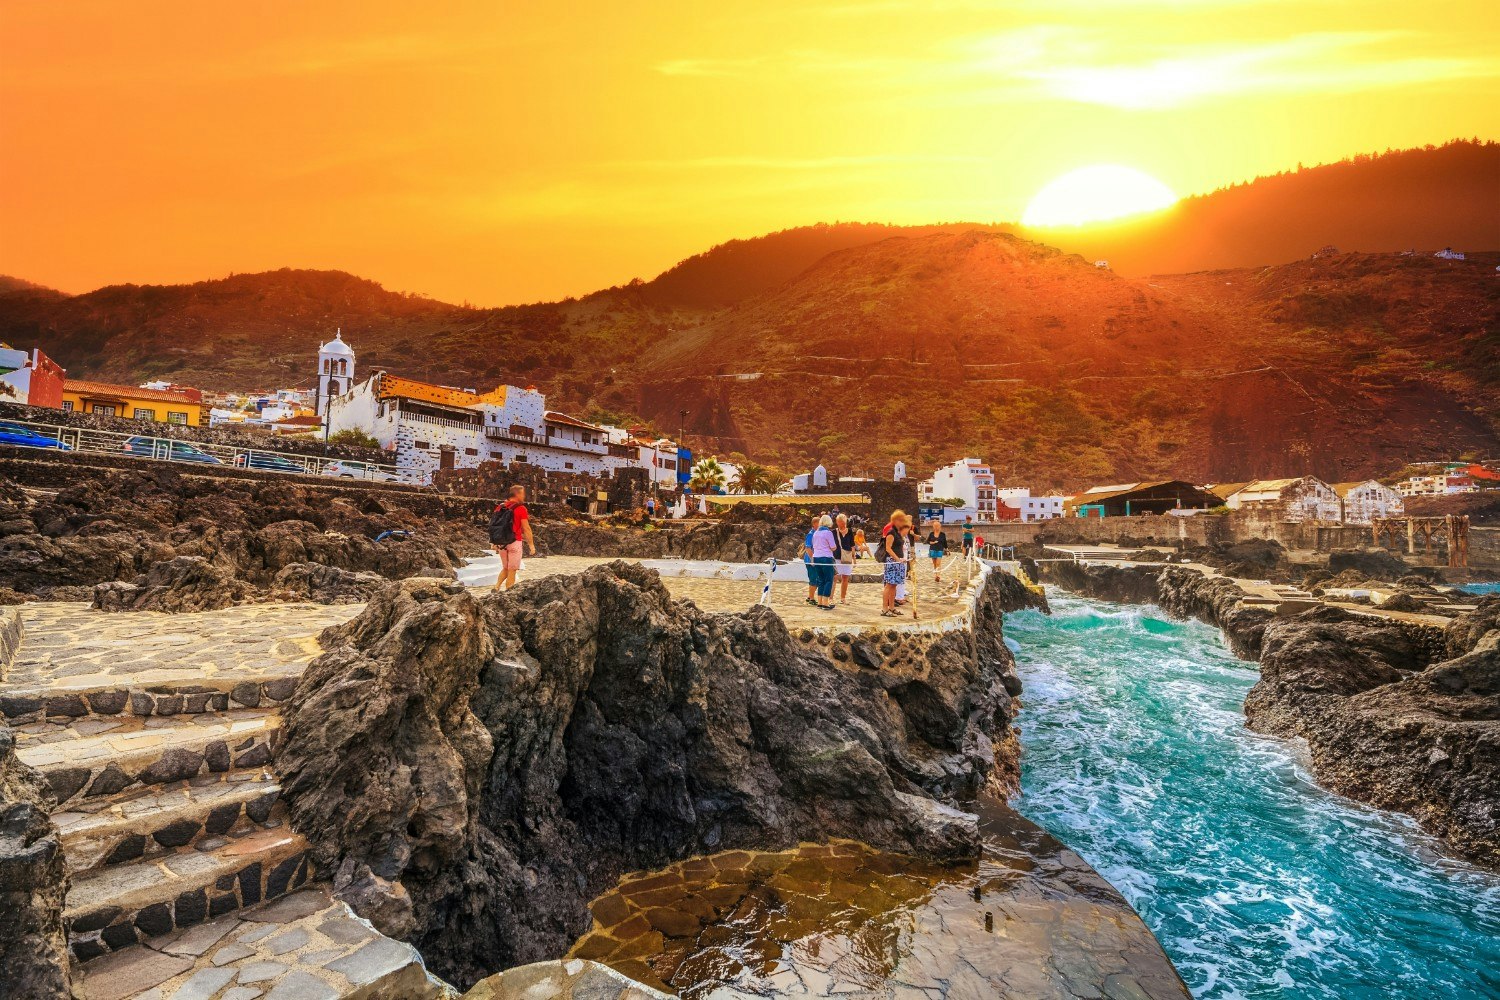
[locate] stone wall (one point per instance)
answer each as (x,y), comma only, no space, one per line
(626,490)
(265,440)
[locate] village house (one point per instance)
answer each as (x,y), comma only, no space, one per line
(1303,499)
(1029,508)
(179,406)
(970,481)
(33,379)
(1363,502)
(1436,486)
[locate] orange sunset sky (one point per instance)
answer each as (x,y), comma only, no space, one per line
(509,152)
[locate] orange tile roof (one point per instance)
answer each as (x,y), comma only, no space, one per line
(85,388)
(407,388)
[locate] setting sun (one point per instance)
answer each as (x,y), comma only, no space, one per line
(1097,193)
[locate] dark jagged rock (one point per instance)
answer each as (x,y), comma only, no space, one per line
(186,583)
(33,884)
(114,525)
(723,541)
(474,770)
(324,584)
(1468,631)
(1122,584)
(1384,727)
(1371,564)
(1187,593)
(1404,601)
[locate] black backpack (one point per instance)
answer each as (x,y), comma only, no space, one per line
(880,553)
(503,525)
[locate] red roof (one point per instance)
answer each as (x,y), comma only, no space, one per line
(84,388)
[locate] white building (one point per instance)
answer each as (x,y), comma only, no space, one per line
(968,480)
(1305,499)
(1031,508)
(431,427)
(1363,502)
(335,371)
(1435,486)
(1448,253)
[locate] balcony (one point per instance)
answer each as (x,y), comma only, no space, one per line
(428,418)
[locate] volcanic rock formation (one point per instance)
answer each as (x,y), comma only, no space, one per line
(475,769)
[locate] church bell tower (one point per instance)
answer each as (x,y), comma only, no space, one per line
(335,371)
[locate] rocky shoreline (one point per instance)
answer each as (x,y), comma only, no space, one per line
(1398,714)
(516,753)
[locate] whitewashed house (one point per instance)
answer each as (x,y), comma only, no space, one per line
(968,480)
(1448,253)
(1363,502)
(1304,499)
(1032,508)
(430,427)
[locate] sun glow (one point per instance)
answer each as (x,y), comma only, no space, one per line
(1097,193)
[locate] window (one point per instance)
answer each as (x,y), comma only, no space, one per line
(176,417)
(141,413)
(520,458)
(471,451)
(103,409)
(567,465)
(67,406)
(420,444)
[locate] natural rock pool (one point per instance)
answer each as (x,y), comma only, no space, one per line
(1258,883)
(1028,921)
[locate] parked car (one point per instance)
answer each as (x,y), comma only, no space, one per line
(266,463)
(24,437)
(176,451)
(345,469)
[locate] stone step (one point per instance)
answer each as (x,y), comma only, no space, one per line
(115,907)
(304,945)
(99,758)
(148,820)
(58,703)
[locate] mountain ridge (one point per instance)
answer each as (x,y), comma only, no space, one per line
(918,343)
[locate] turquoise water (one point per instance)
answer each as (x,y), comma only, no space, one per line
(1481,588)
(1257,883)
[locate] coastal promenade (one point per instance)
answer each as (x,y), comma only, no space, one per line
(156,731)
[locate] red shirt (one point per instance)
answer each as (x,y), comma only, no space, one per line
(518,519)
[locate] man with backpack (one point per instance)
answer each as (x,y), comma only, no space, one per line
(509,524)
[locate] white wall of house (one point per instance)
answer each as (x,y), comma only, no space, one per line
(1304,499)
(969,480)
(1369,500)
(1031,508)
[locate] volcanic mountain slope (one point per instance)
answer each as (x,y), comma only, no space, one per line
(918,348)
(1062,372)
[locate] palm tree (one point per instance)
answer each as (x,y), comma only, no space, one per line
(707,476)
(755,478)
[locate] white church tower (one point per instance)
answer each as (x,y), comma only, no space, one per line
(335,371)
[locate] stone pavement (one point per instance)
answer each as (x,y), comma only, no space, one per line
(76,656)
(304,946)
(936,603)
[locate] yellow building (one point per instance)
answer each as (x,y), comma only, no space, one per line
(183,406)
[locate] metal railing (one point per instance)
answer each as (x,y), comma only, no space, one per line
(200,453)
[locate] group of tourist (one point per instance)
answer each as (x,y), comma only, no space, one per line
(832,546)
(829,550)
